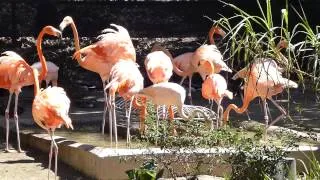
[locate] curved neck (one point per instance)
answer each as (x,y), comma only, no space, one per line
(75,36)
(214,30)
(240,110)
(36,82)
(44,69)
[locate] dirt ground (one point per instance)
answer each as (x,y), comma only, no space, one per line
(32,165)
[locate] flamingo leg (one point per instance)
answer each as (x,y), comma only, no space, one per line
(157,123)
(114,118)
(110,123)
(50,153)
(266,118)
(105,107)
(269,113)
(284,113)
(249,118)
(182,79)
(55,147)
(7,122)
(219,112)
(211,103)
(128,122)
(16,120)
(189,93)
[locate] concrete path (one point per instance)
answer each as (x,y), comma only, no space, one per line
(32,165)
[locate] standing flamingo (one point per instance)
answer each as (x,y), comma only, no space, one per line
(262,79)
(159,69)
(215,88)
(126,79)
(101,56)
(13,77)
(201,60)
(50,110)
(158,66)
(52,75)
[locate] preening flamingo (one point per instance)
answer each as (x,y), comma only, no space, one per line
(262,79)
(159,69)
(52,75)
(158,66)
(215,88)
(201,60)
(126,79)
(102,55)
(50,109)
(13,77)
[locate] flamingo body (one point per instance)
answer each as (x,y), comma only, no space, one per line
(53,72)
(50,108)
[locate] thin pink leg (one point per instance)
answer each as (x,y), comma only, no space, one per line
(128,122)
(189,93)
(50,152)
(16,120)
(7,122)
(284,113)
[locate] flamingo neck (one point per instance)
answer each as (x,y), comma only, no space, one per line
(235,108)
(44,69)
(75,36)
(36,82)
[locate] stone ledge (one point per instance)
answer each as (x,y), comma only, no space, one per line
(102,163)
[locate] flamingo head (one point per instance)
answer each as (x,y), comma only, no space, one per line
(52,31)
(215,30)
(205,68)
(65,22)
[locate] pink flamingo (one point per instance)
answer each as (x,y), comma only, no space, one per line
(50,110)
(127,80)
(169,94)
(158,65)
(102,55)
(52,75)
(215,88)
(201,61)
(264,80)
(13,77)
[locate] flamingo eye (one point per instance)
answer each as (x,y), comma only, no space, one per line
(199,63)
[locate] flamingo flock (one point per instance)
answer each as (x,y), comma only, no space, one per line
(113,57)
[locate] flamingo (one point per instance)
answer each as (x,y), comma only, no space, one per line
(50,110)
(101,56)
(201,60)
(244,73)
(215,88)
(263,79)
(126,79)
(169,94)
(52,75)
(159,69)
(158,65)
(13,77)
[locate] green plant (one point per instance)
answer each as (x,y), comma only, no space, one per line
(313,172)
(255,162)
(146,172)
